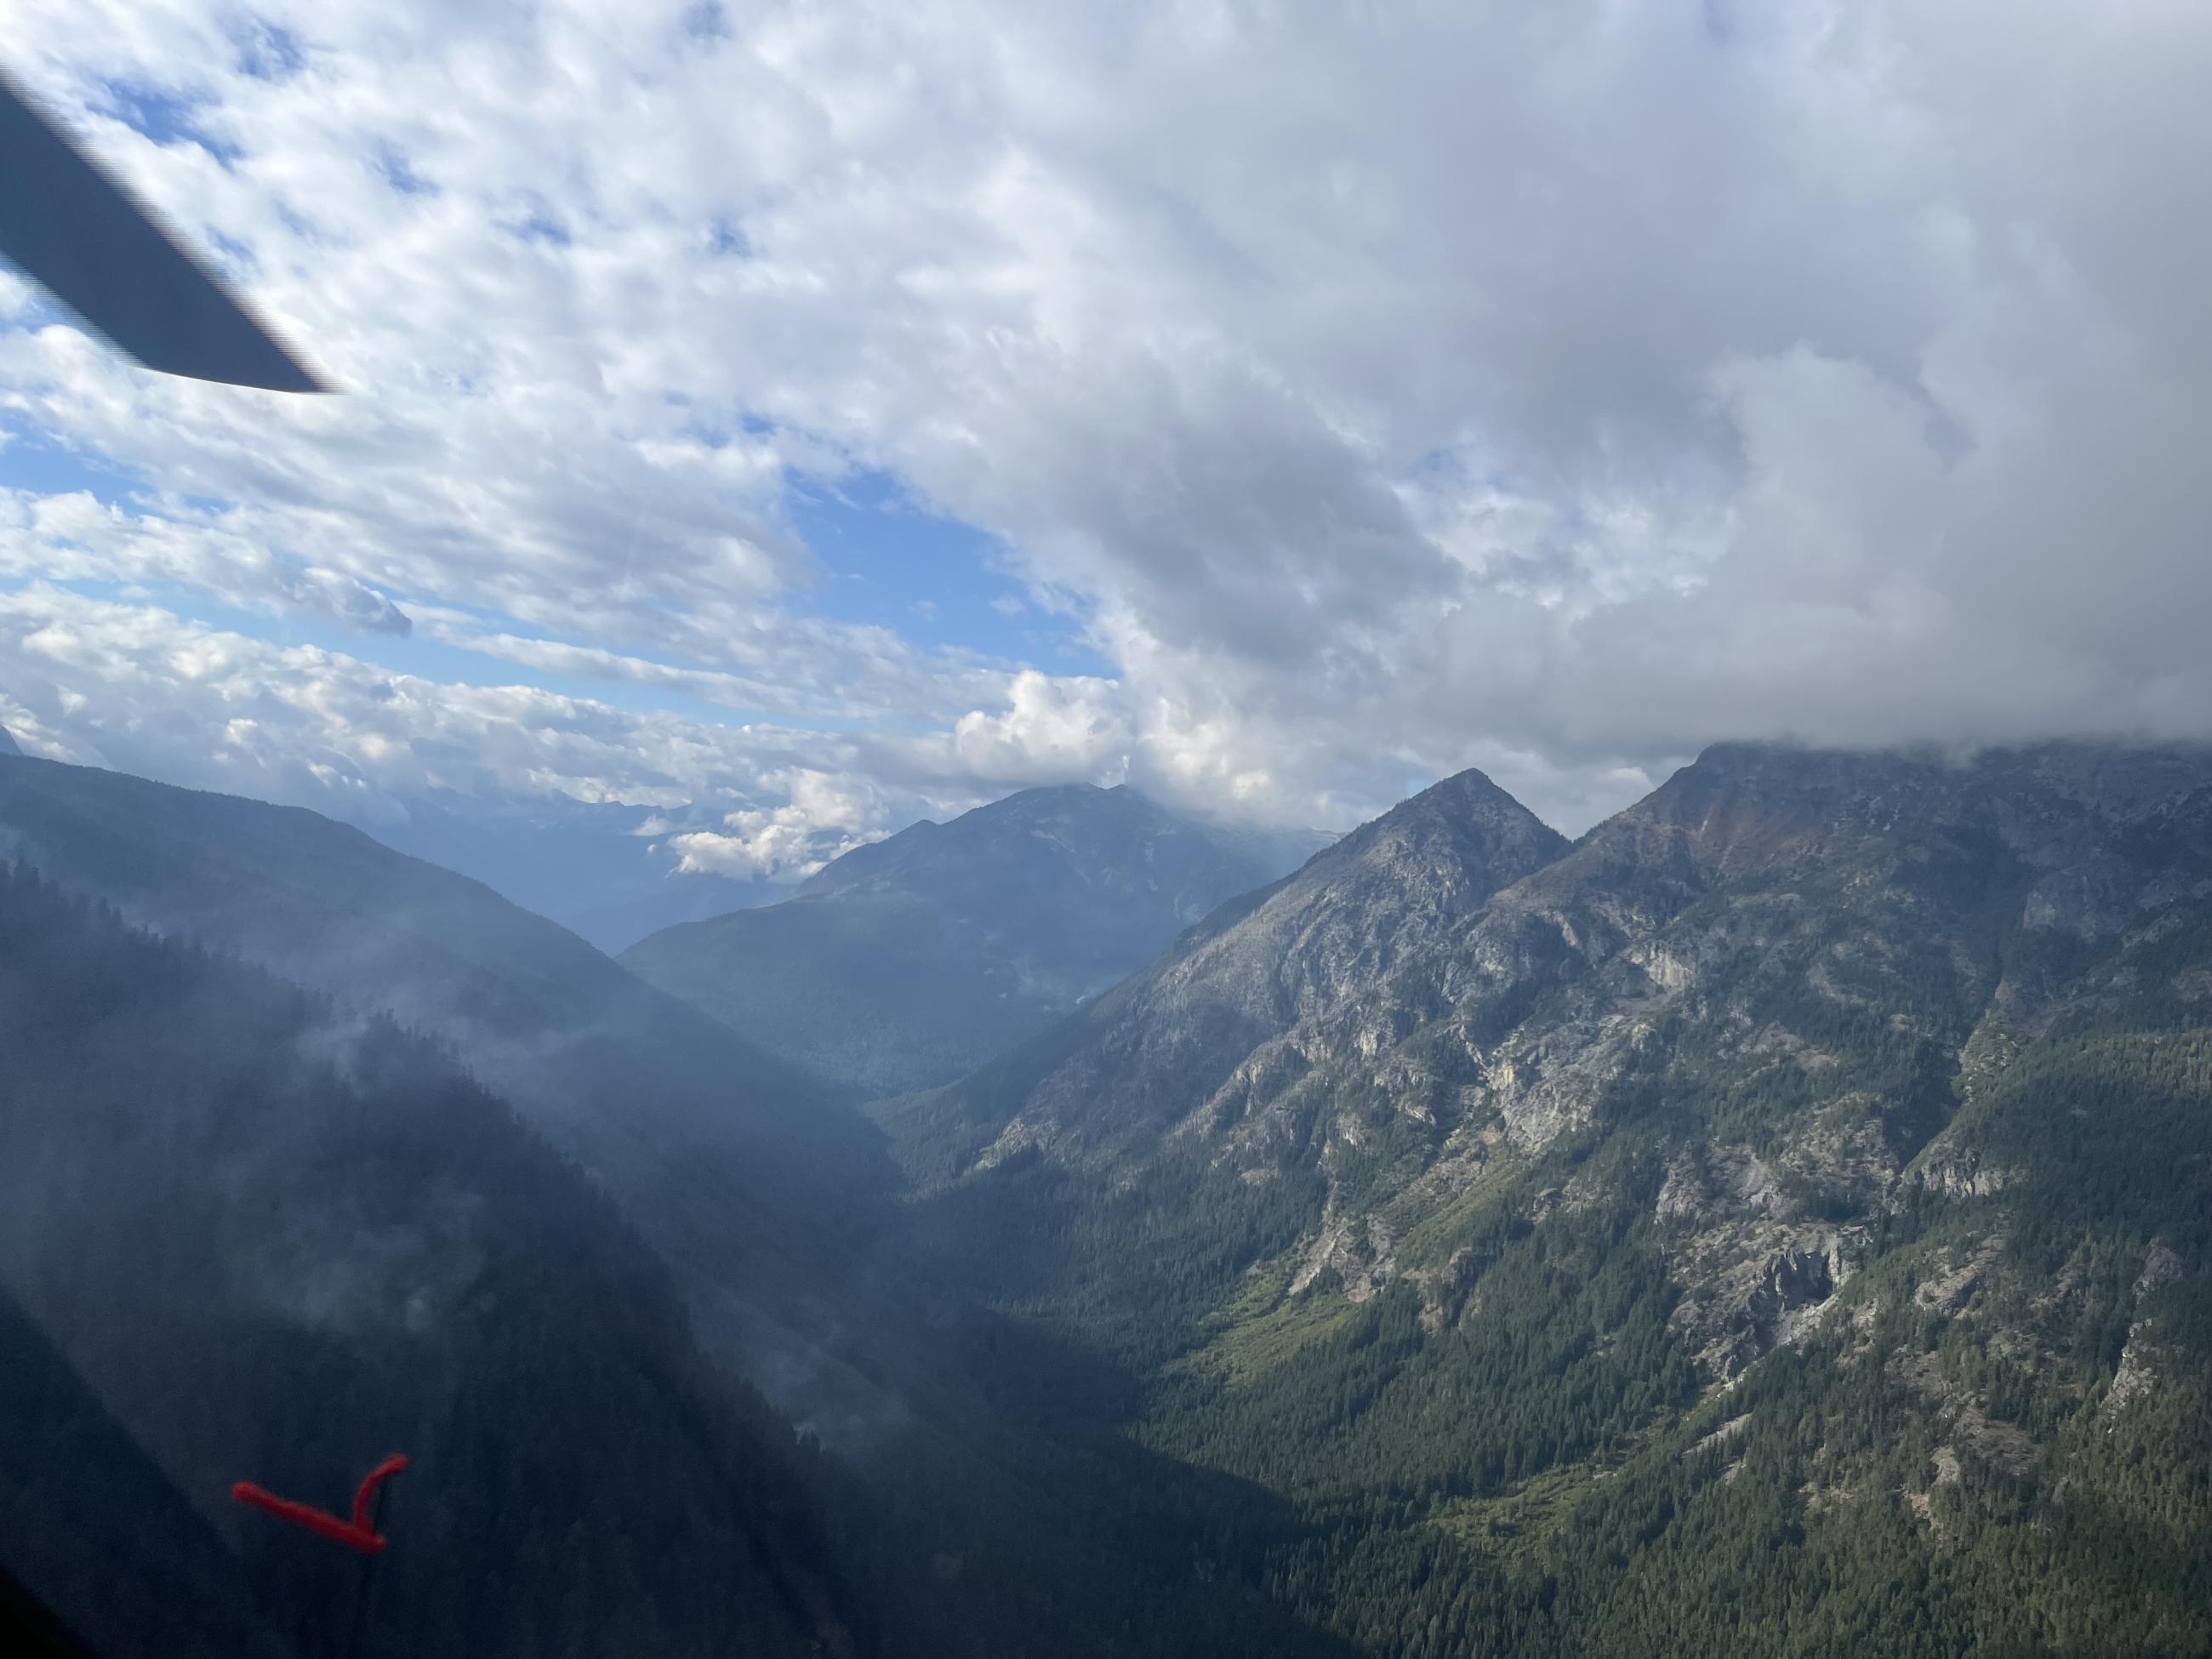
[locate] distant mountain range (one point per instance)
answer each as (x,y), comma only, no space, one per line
(909,961)
(608,871)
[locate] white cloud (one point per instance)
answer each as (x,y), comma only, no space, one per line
(1380,391)
(136,687)
(821,817)
(17,296)
(1051,730)
(132,686)
(75,537)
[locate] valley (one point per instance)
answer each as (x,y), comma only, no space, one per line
(1779,1217)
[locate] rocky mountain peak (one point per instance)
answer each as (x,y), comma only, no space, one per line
(1224,1002)
(1775,981)
(1464,822)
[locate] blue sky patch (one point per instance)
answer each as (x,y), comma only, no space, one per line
(165,115)
(934,580)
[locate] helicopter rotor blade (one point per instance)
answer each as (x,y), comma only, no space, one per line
(95,248)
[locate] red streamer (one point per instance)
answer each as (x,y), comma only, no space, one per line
(358,1534)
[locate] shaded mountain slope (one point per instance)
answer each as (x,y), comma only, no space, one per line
(280,1243)
(964,1521)
(90,1528)
(745,1173)
(909,961)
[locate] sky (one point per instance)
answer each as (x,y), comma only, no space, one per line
(803,417)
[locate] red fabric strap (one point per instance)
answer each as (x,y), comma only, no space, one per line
(358,1534)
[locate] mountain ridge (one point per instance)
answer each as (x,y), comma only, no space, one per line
(912,959)
(1269,957)
(1780,1097)
(752,1180)
(280,1243)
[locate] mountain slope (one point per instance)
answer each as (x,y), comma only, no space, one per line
(1776,1224)
(92,1529)
(751,1180)
(909,961)
(1213,1012)
(963,1521)
(279,1244)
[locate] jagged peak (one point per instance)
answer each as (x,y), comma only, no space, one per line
(1452,812)
(1462,793)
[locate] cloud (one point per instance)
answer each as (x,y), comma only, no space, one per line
(75,537)
(1051,729)
(130,685)
(138,687)
(1376,392)
(821,817)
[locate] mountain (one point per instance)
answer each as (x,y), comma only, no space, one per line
(909,961)
(278,1239)
(1777,1224)
(1137,1059)
(1780,1223)
(746,1174)
(278,1243)
(961,1519)
(112,1551)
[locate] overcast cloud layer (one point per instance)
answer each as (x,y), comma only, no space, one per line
(1370,390)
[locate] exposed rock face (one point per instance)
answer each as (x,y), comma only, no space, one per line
(906,962)
(2145,1355)
(1950,1292)
(2004,1446)
(2138,1373)
(1235,1018)
(1958,1172)
(1782,974)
